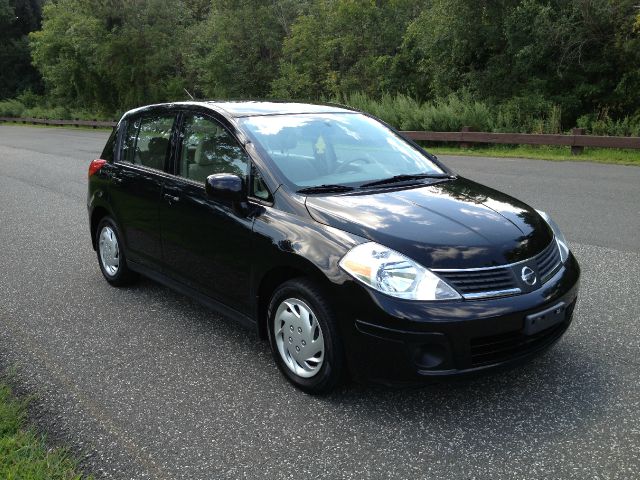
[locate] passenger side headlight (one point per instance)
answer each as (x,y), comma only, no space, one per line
(392,273)
(563,246)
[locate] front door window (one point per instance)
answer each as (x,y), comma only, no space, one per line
(208,148)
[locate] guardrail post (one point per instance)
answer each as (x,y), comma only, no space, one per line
(76,125)
(465,144)
(94,125)
(577,149)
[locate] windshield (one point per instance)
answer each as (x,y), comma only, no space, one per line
(335,149)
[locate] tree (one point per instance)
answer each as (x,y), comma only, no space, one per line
(17,19)
(112,54)
(342,46)
(580,55)
(238,48)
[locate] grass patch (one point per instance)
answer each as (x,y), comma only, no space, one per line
(543,152)
(24,454)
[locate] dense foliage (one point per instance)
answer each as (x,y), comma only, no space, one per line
(504,65)
(17,19)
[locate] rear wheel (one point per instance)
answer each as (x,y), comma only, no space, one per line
(111,257)
(304,338)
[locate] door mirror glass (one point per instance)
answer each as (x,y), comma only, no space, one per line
(225,186)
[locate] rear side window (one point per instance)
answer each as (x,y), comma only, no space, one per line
(108,152)
(208,148)
(147,140)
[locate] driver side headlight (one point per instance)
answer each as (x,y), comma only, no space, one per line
(394,274)
(563,246)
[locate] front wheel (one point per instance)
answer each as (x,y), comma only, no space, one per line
(303,335)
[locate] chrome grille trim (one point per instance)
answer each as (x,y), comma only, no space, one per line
(493,293)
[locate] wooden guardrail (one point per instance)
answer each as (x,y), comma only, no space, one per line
(577,140)
(50,121)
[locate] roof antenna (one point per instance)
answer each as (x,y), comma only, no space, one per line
(187,92)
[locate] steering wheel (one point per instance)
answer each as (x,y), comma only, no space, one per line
(347,165)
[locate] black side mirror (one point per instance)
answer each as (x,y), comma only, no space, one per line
(225,186)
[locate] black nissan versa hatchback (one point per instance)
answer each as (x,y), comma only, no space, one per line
(346,245)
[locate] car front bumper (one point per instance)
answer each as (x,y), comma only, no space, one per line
(394,341)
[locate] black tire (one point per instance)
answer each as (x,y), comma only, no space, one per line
(332,371)
(124,275)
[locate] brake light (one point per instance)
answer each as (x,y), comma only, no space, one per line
(96,165)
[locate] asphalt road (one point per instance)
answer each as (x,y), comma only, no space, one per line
(144,383)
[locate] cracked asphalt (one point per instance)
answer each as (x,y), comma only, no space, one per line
(143,383)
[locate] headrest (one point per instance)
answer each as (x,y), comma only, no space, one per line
(158,146)
(205,152)
(285,140)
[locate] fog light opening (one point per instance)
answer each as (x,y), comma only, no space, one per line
(429,356)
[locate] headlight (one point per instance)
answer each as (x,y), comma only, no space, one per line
(394,274)
(563,246)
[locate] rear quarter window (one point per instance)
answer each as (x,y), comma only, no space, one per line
(109,148)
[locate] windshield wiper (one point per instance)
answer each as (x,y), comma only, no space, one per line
(405,178)
(326,189)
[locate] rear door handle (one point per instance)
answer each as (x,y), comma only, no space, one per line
(171,198)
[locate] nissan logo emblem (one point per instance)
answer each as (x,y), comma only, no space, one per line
(529,276)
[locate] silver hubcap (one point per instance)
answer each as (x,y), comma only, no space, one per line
(109,250)
(299,337)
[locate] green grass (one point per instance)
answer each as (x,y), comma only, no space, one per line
(24,454)
(543,152)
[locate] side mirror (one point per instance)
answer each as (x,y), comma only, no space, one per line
(225,186)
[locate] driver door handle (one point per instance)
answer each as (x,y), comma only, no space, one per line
(171,198)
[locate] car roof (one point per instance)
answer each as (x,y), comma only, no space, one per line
(254,108)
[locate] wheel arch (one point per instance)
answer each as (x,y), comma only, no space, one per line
(97,215)
(275,277)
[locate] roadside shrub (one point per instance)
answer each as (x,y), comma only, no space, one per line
(406,113)
(30,99)
(524,114)
(603,124)
(31,105)
(454,112)
(11,108)
(93,115)
(527,114)
(48,112)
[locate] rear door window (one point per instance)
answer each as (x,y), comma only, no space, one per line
(208,148)
(147,140)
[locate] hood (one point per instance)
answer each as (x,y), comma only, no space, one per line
(453,224)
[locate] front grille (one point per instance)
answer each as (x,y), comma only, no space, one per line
(500,281)
(498,348)
(480,281)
